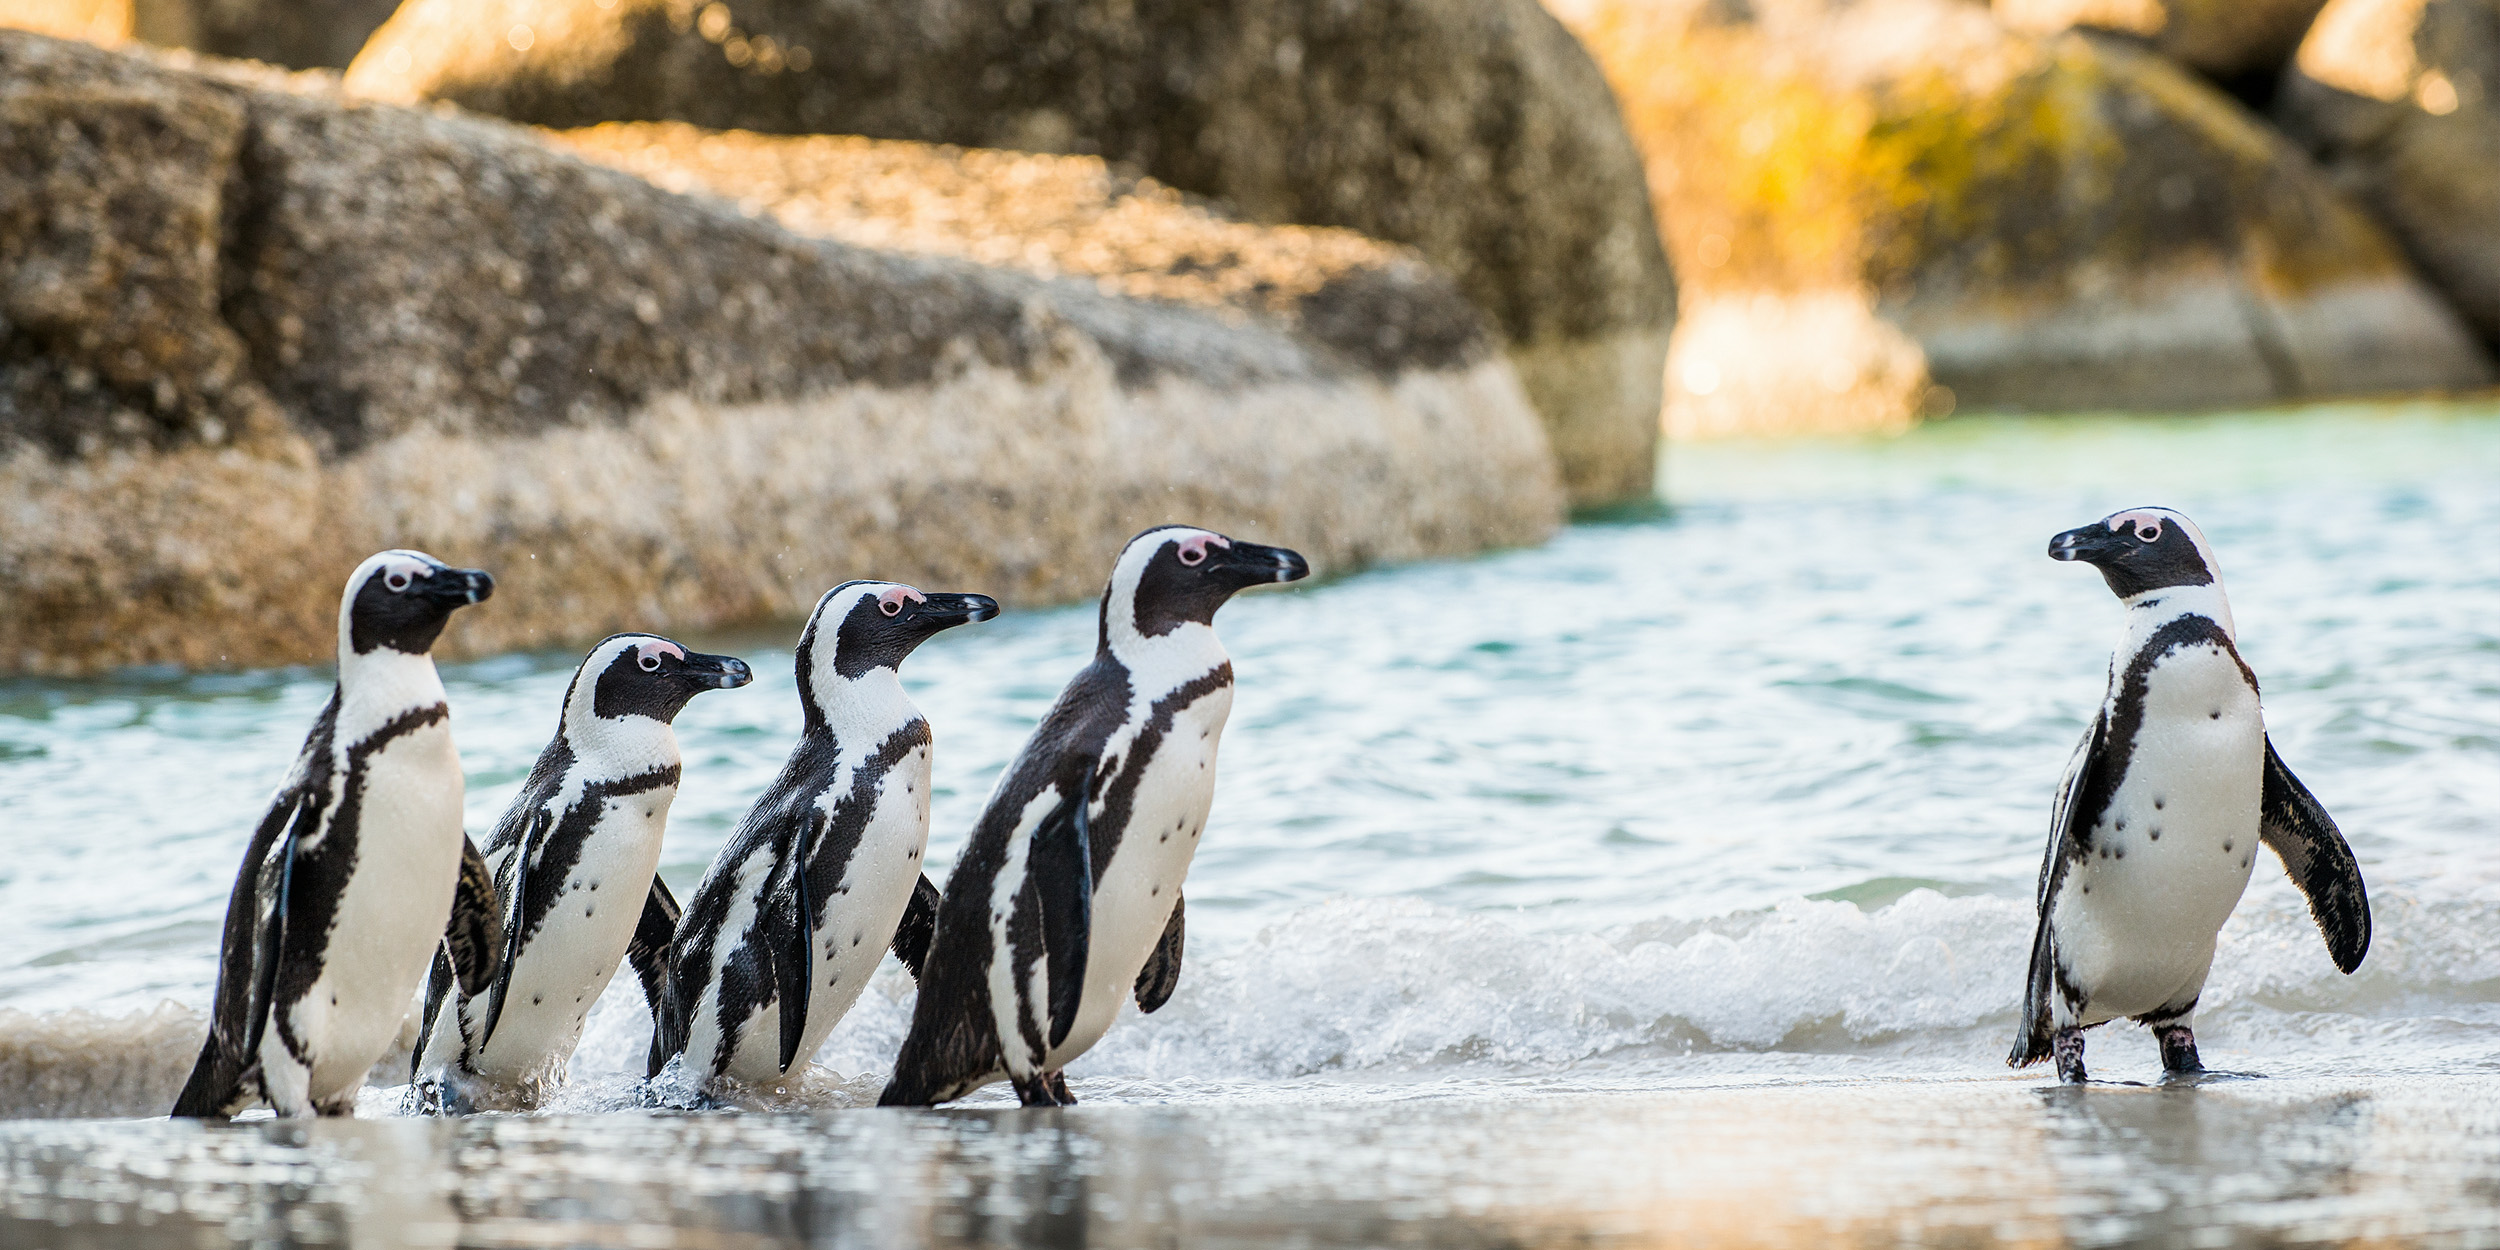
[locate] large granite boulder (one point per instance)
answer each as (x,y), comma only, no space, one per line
(250,332)
(1895,207)
(303,34)
(1477,131)
(2401,100)
(2223,39)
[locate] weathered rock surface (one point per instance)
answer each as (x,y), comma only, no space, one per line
(2401,100)
(1897,207)
(1062,217)
(2225,39)
(250,332)
(301,34)
(1476,131)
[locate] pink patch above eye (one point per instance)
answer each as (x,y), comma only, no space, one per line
(1194,549)
(892,601)
(654,650)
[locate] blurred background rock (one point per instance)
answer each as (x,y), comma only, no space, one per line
(1385,279)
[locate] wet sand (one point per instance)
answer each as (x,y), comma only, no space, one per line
(2014,1162)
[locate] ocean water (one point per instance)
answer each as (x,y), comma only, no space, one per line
(1751,791)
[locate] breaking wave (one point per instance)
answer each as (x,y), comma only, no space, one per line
(1388,991)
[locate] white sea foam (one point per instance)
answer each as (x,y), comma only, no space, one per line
(1395,990)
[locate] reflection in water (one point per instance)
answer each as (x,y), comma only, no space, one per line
(1990,1163)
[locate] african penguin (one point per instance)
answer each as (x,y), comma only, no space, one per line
(574,861)
(358,872)
(1069,893)
(2160,813)
(852,807)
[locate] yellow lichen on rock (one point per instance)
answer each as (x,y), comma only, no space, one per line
(2035,223)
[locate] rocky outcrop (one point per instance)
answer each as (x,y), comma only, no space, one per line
(250,332)
(1476,131)
(1062,217)
(303,34)
(1898,207)
(2401,100)
(2223,39)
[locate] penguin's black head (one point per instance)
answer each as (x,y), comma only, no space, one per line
(860,626)
(647,675)
(2139,550)
(401,599)
(1174,575)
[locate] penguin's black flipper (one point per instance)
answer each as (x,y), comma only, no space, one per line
(648,952)
(2037,1038)
(247,973)
(791,932)
(2320,862)
(473,936)
(514,930)
(911,937)
(1162,973)
(1059,865)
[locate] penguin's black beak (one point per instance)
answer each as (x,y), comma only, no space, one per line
(2091,544)
(716,672)
(1249,564)
(946,610)
(456,588)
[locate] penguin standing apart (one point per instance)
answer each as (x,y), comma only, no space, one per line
(1069,893)
(824,873)
(2159,816)
(358,872)
(574,861)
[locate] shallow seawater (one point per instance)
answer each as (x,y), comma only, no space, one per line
(1754,791)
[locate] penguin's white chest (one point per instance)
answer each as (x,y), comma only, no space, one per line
(568,961)
(2135,922)
(391,912)
(1133,897)
(856,925)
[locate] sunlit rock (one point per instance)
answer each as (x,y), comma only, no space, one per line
(1476,131)
(2401,100)
(302,34)
(2225,39)
(256,332)
(1894,208)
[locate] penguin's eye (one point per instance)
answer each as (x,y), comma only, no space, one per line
(650,662)
(396,581)
(891,607)
(1193,555)
(2149,532)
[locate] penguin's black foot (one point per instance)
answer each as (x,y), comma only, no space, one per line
(2178,1050)
(1043,1089)
(2068,1049)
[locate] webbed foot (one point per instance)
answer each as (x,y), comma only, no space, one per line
(2068,1049)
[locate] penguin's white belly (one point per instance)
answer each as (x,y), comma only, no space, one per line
(1133,899)
(2135,922)
(568,962)
(391,913)
(858,922)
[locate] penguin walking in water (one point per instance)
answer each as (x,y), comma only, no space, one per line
(358,872)
(2159,816)
(574,860)
(823,875)
(1069,894)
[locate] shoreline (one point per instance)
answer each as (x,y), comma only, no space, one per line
(2009,1161)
